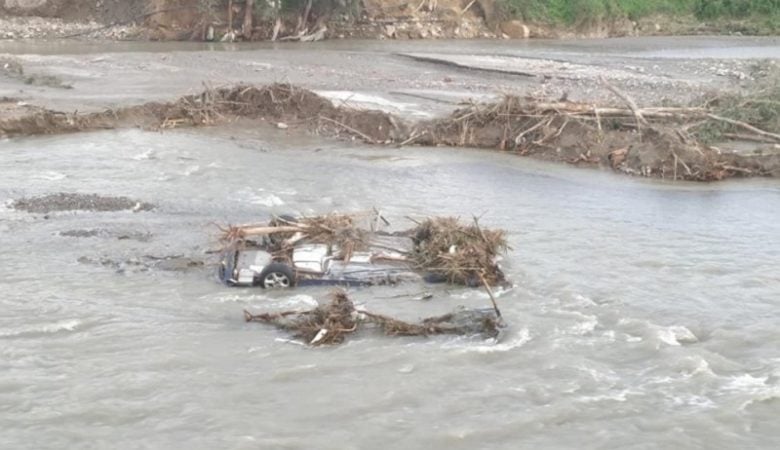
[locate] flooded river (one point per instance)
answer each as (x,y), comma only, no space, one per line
(644,314)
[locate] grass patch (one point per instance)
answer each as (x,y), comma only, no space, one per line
(574,12)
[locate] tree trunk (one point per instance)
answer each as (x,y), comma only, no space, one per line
(249,10)
(304,19)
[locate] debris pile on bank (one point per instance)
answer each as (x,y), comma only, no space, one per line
(282,102)
(653,142)
(661,142)
(333,322)
(275,103)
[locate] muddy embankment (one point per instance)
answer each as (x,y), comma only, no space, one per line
(248,20)
(649,142)
(253,20)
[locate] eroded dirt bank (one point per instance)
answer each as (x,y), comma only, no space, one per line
(650,142)
(253,20)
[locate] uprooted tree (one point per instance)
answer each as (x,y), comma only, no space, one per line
(332,322)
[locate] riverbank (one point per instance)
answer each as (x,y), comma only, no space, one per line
(420,93)
(577,110)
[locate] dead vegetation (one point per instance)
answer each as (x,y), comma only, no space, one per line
(333,322)
(463,254)
(653,142)
(339,231)
(276,103)
(757,106)
(661,142)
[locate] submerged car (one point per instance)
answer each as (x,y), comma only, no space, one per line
(320,264)
(333,250)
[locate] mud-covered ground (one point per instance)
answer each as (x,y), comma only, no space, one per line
(653,70)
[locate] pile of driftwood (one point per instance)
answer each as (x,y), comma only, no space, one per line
(215,105)
(280,235)
(463,254)
(331,323)
(279,102)
(537,121)
(660,141)
(458,253)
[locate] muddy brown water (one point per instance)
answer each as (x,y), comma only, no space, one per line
(644,314)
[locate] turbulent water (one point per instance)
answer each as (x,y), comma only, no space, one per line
(644,314)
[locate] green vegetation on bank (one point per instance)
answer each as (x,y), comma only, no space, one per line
(757,105)
(764,14)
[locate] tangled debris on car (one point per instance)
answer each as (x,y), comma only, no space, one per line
(331,323)
(334,249)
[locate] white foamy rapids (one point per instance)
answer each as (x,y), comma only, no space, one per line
(697,401)
(582,300)
(261,300)
(608,377)
(759,389)
(693,365)
(587,325)
(481,294)
(260,197)
(746,383)
(518,340)
(287,341)
(583,323)
(191,170)
(149,154)
(297,301)
(616,396)
(5,205)
(50,175)
(234,298)
(268,200)
(48,328)
(674,335)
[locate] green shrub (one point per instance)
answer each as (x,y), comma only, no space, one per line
(578,11)
(758,105)
(711,9)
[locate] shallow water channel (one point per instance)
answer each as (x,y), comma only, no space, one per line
(644,314)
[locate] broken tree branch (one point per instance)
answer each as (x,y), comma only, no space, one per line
(758,131)
(490,293)
(349,128)
(246,30)
(627,100)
